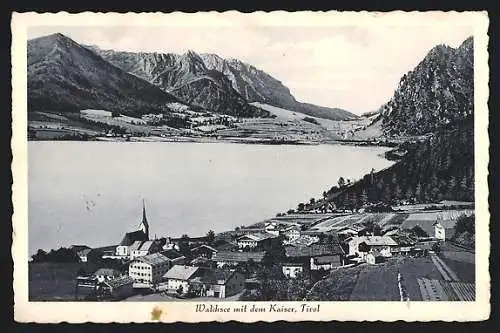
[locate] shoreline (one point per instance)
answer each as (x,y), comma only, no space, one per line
(240,140)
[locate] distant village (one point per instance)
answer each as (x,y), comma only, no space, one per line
(305,245)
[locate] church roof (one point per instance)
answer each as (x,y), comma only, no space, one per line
(131,237)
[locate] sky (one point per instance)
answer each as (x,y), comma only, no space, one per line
(351,67)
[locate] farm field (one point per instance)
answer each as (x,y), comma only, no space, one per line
(382,219)
(413,269)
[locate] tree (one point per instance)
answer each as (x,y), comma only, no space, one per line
(300,207)
(398,193)
(341,182)
(418,192)
(312,201)
(364,197)
(210,237)
(40,256)
(184,246)
(418,232)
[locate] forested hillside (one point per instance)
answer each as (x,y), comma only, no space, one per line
(441,168)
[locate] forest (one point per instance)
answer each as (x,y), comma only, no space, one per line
(441,168)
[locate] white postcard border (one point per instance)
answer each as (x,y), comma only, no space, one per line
(125,312)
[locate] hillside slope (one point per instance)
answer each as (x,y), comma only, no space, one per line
(64,77)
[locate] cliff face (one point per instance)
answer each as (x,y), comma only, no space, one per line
(438,92)
(64,76)
(230,81)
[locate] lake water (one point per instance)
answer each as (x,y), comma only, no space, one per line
(91,192)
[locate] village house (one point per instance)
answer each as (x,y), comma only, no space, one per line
(303,240)
(332,255)
(203,251)
(349,231)
(106,274)
(141,249)
(327,262)
(224,245)
(362,245)
(292,270)
(262,240)
(83,254)
(81,251)
(405,244)
(174,243)
(175,258)
(216,282)
(236,258)
(292,233)
(118,288)
(177,278)
(149,269)
(374,257)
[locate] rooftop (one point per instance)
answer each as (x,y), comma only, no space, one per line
(172,254)
(131,237)
(135,245)
(146,245)
(107,272)
(327,259)
(181,272)
(314,250)
(375,240)
(257,236)
(239,256)
(204,246)
(213,276)
(153,259)
(120,281)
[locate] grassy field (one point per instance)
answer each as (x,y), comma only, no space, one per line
(54,282)
(461,261)
(337,287)
(413,268)
(377,283)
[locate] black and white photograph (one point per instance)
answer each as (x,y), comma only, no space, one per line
(239,161)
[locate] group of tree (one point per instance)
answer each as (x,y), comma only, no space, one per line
(440,168)
(61,255)
(465,231)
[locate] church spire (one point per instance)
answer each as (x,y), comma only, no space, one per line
(144,224)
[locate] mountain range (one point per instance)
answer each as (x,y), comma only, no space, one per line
(227,80)
(66,76)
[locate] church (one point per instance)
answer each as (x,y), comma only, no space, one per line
(135,238)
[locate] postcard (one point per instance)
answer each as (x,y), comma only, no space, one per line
(305,166)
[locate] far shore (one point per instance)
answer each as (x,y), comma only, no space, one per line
(243,140)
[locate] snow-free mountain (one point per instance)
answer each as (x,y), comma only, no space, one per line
(64,76)
(213,82)
(438,92)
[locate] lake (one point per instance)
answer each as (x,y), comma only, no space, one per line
(91,192)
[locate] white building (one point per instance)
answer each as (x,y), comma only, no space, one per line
(362,245)
(149,269)
(106,274)
(292,270)
(177,278)
(292,233)
(254,240)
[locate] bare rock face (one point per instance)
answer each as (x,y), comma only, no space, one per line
(227,85)
(64,76)
(438,92)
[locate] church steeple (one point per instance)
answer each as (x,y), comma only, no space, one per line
(144,226)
